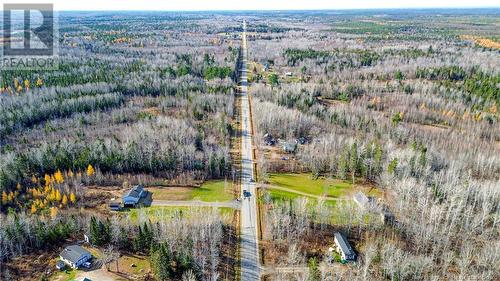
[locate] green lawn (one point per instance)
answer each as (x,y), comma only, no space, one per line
(66,275)
(280,195)
(214,190)
(209,191)
(305,183)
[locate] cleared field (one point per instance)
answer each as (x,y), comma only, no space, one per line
(210,191)
(304,183)
(156,213)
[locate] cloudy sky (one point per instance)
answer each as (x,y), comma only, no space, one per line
(194,5)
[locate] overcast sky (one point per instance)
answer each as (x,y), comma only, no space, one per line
(195,5)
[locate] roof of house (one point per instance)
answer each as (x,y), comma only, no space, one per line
(344,244)
(289,147)
(361,198)
(135,191)
(73,253)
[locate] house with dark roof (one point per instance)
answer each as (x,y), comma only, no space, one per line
(133,196)
(343,247)
(75,256)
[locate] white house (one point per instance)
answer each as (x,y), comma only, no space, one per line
(75,256)
(343,247)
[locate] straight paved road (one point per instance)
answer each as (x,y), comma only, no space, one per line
(250,262)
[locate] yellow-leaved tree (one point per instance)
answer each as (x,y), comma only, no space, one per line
(53,212)
(47,180)
(58,176)
(64,200)
(33,208)
(5,198)
(58,196)
(72,198)
(90,170)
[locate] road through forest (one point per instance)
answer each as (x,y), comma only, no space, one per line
(250,262)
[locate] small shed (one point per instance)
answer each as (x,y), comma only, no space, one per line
(114,205)
(60,265)
(86,237)
(387,216)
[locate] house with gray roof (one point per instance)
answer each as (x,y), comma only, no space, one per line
(133,196)
(75,256)
(365,202)
(361,199)
(343,247)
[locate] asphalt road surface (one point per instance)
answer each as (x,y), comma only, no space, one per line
(250,262)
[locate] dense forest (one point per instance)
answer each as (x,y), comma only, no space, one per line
(405,103)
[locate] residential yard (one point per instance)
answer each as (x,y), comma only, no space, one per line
(210,191)
(66,275)
(305,183)
(338,195)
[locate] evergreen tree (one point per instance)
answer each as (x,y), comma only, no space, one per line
(353,160)
(161,262)
(314,272)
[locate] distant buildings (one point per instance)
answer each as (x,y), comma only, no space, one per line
(344,248)
(289,147)
(75,256)
(133,196)
(369,204)
(269,140)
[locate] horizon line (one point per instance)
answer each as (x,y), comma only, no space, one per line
(289,10)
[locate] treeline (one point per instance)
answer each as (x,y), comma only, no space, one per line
(172,146)
(344,158)
(479,88)
(20,233)
(295,55)
(51,103)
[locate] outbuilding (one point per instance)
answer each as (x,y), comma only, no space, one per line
(114,205)
(60,265)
